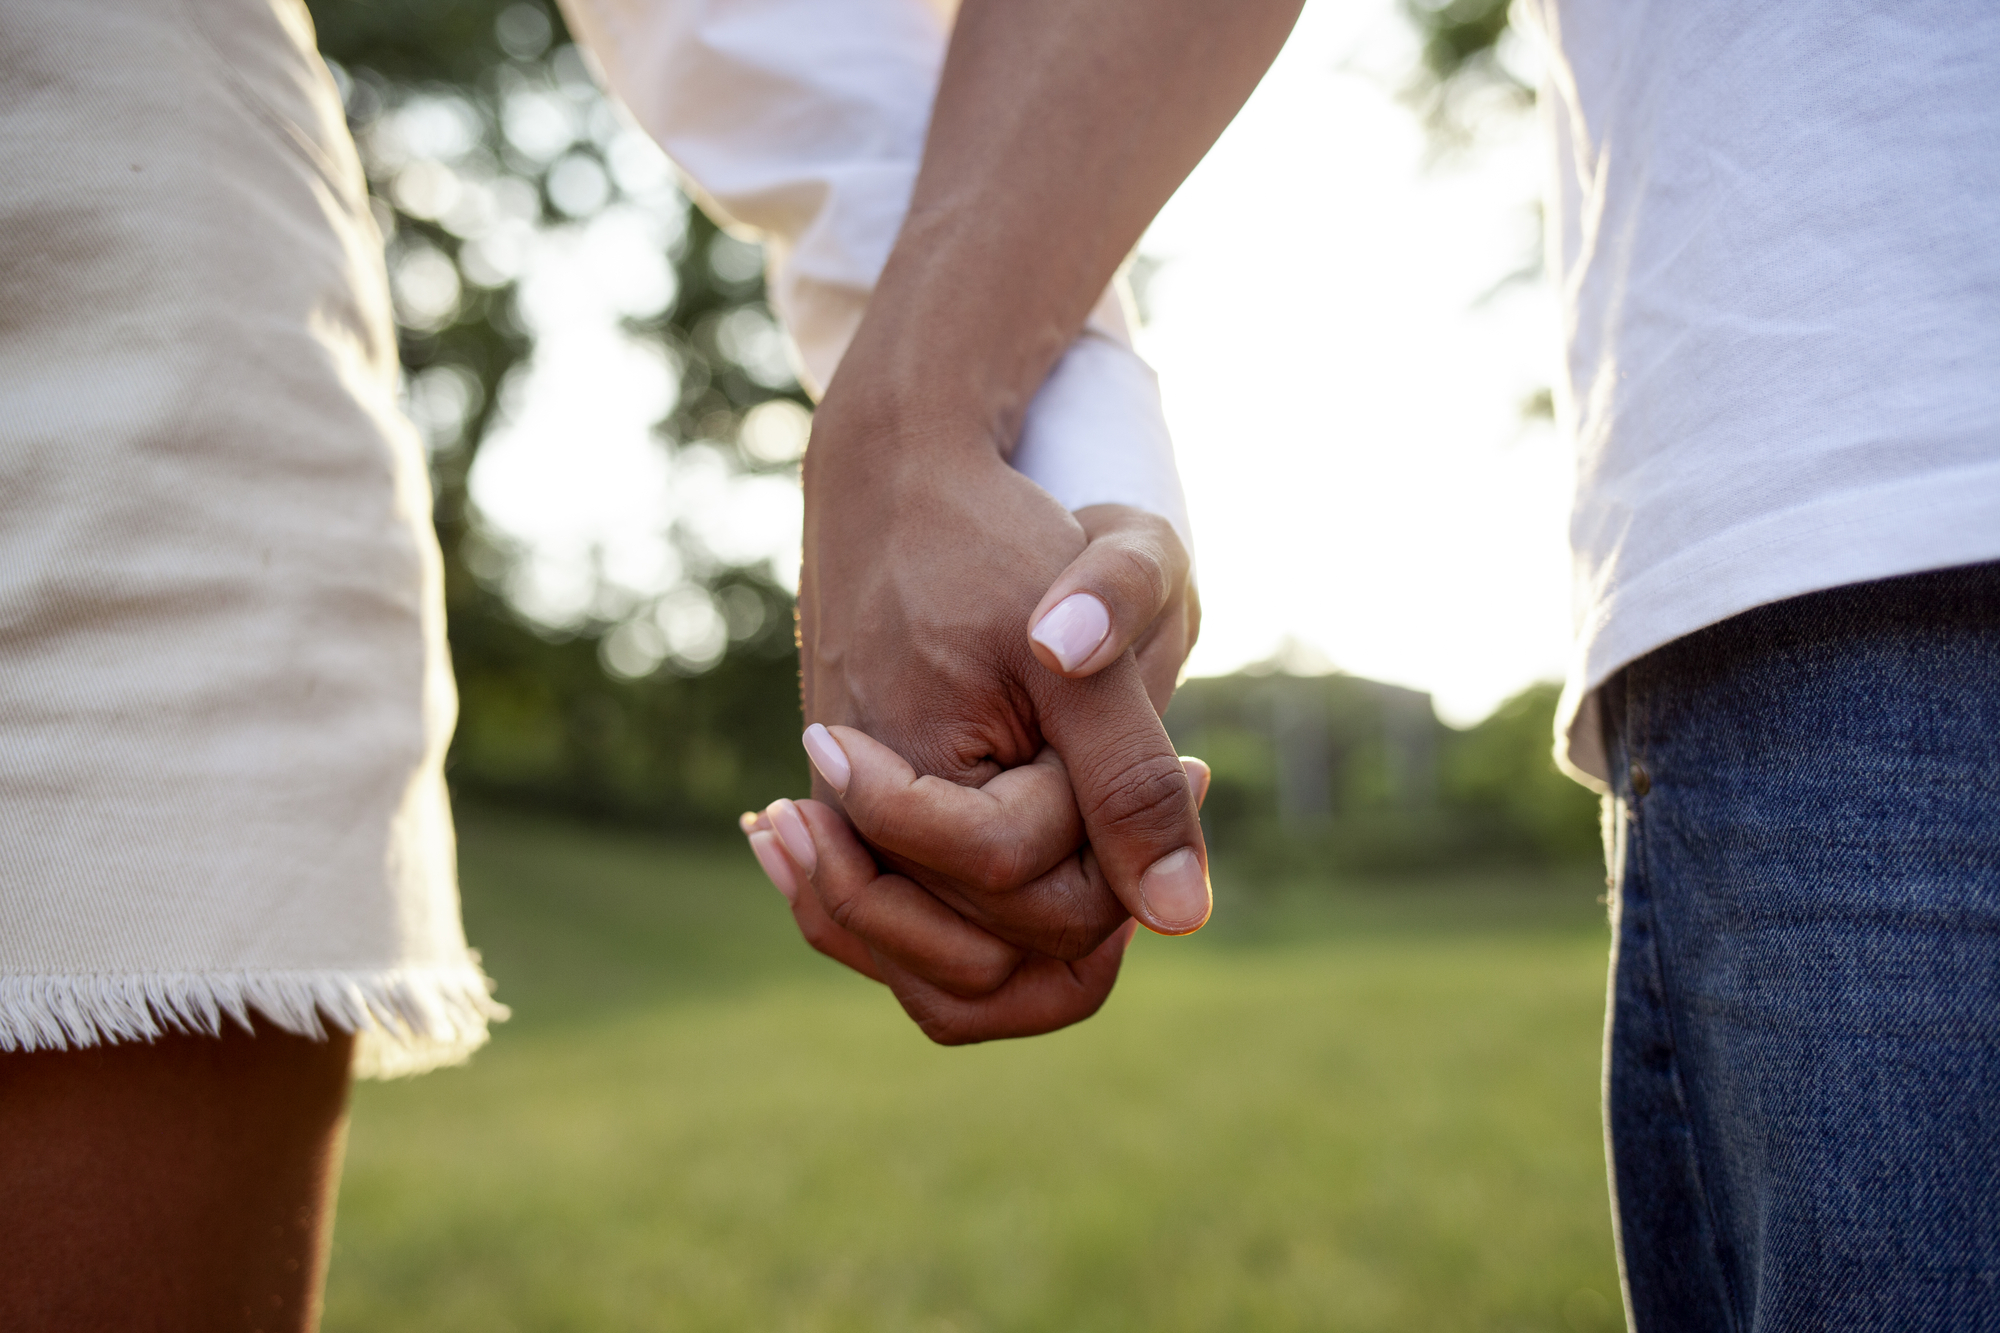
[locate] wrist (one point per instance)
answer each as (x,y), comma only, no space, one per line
(887,425)
(936,359)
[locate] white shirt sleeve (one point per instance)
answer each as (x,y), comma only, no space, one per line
(804,121)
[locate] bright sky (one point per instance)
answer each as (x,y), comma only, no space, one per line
(1346,408)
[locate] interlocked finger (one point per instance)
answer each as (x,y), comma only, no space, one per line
(901,925)
(991,838)
(1041,995)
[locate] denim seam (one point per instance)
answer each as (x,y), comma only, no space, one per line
(1634,851)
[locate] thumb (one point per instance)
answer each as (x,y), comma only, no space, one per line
(1137,799)
(1112,594)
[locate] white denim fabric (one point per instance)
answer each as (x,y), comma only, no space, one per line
(224,691)
(803,122)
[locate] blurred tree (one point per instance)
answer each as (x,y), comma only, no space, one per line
(1500,780)
(1338,772)
(1463,74)
(480,131)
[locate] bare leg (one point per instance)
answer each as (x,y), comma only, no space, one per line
(182,1185)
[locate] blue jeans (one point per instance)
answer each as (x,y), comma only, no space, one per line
(1802,1068)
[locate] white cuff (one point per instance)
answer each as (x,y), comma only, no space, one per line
(1097,434)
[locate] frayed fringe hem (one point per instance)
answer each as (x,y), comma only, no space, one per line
(405,1019)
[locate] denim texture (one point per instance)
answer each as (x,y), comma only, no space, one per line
(1802,1067)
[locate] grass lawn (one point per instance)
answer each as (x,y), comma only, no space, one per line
(1372,1108)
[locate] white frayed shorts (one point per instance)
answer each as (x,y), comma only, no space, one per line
(224,693)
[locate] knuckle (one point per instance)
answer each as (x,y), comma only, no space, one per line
(998,863)
(819,933)
(1072,913)
(1149,799)
(843,911)
(984,975)
(941,1026)
(1070,940)
(1137,576)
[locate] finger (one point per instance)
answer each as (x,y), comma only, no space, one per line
(1064,913)
(1040,996)
(1163,650)
(993,838)
(819,930)
(898,922)
(1198,776)
(1002,855)
(1111,594)
(1137,802)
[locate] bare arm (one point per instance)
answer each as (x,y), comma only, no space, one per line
(1059,130)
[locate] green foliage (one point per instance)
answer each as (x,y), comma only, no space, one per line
(1352,775)
(542,722)
(1462,77)
(1500,779)
(1374,1112)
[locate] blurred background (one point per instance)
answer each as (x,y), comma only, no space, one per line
(1364,1097)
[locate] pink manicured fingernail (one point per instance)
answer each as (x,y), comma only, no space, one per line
(1073,628)
(1174,892)
(764,846)
(828,757)
(797,837)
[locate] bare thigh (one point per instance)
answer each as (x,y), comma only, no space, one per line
(183,1184)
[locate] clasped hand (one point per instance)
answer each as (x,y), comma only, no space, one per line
(996,804)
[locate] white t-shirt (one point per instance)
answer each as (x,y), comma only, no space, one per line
(804,121)
(1776,229)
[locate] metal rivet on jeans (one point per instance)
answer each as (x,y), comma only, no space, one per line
(1641,783)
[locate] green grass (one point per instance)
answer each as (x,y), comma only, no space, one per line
(1366,1109)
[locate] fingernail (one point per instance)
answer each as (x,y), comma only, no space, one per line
(828,757)
(797,837)
(1197,776)
(1174,893)
(764,846)
(1073,628)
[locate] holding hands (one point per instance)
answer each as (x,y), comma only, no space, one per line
(995,800)
(1050,810)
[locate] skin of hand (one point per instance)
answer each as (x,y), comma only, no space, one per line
(1058,131)
(917,636)
(1138,573)
(958,982)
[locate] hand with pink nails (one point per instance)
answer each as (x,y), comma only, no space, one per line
(958,982)
(983,671)
(993,883)
(929,596)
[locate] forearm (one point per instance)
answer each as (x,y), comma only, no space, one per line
(1059,130)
